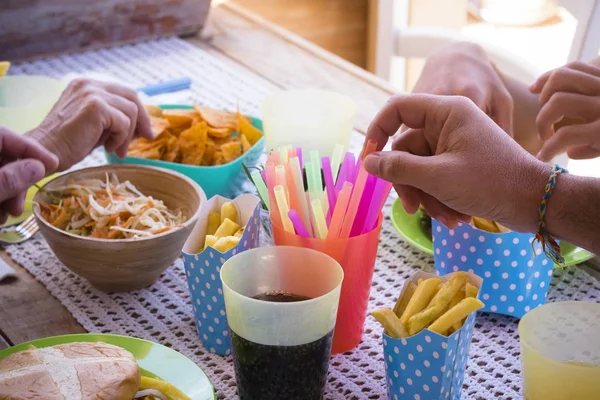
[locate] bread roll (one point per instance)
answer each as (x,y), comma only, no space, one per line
(73,371)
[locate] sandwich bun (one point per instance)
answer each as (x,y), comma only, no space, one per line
(72,371)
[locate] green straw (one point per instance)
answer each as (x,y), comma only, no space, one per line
(336,160)
(310,177)
(316,170)
(261,187)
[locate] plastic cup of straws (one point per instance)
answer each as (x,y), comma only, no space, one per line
(340,217)
(516,277)
(203,266)
(281,308)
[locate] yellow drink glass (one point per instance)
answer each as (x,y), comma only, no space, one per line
(560,351)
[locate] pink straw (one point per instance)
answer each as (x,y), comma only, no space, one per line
(343,174)
(291,153)
(263,173)
(340,210)
(299,153)
(297,222)
(328,175)
(357,193)
(274,158)
(380,195)
(363,207)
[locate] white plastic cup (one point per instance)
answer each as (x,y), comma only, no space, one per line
(281,350)
(311,119)
(26,100)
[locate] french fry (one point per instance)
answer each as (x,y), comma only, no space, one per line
(229,210)
(421,320)
(227,228)
(214,220)
(403,301)
(448,291)
(485,224)
(456,314)
(470,290)
(210,240)
(390,322)
(240,232)
(226,243)
(164,387)
(423,295)
(455,300)
(419,281)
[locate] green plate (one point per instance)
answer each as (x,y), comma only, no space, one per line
(155,360)
(27,208)
(410,228)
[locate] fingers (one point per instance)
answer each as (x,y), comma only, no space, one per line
(14,147)
(130,110)
(568,136)
(565,104)
(502,111)
(142,121)
(583,153)
(118,124)
(15,205)
(17,176)
(569,80)
(401,168)
(414,110)
(410,197)
(566,76)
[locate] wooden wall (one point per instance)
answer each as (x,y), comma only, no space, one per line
(339,26)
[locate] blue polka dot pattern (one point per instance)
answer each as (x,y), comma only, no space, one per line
(515,280)
(427,366)
(204,281)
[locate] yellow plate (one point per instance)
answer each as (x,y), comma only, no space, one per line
(28,210)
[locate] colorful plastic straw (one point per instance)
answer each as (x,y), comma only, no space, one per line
(319,217)
(294,164)
(274,158)
(343,175)
(263,173)
(369,148)
(291,153)
(280,176)
(336,160)
(311,178)
(363,206)
(340,210)
(284,209)
(357,193)
(260,187)
(380,194)
(271,182)
(327,174)
(297,222)
(299,153)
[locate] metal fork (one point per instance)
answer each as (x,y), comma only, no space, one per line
(21,233)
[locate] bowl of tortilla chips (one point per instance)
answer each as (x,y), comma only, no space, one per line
(207,145)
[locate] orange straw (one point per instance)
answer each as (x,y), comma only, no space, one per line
(369,148)
(357,193)
(341,205)
(299,187)
(271,183)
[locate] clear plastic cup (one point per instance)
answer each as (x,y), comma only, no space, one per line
(26,100)
(560,351)
(281,350)
(310,119)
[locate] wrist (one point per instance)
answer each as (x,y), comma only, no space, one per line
(533,183)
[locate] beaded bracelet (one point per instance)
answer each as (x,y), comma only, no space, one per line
(549,244)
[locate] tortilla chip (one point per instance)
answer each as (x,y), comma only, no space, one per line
(159,125)
(143,148)
(179,119)
(244,127)
(218,158)
(231,151)
(246,146)
(172,149)
(192,143)
(220,132)
(216,118)
(228,139)
(209,153)
(154,111)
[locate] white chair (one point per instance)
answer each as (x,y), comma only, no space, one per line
(586,41)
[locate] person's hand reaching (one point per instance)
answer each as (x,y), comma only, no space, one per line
(23,162)
(456,162)
(570,98)
(464,69)
(90,114)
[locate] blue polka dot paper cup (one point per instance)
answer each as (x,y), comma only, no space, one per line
(203,271)
(428,366)
(516,279)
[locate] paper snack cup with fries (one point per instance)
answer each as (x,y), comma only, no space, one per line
(225,228)
(427,335)
(516,274)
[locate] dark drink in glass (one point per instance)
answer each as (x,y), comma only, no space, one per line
(281,305)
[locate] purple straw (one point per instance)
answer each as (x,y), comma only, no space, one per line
(380,194)
(343,174)
(297,222)
(328,175)
(364,206)
(263,173)
(299,153)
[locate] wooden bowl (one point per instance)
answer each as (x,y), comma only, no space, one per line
(121,265)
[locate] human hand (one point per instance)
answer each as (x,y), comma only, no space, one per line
(464,69)
(444,163)
(23,162)
(90,114)
(570,96)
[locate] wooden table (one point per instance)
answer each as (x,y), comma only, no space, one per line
(243,41)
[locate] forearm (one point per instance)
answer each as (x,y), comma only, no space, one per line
(526,108)
(573,212)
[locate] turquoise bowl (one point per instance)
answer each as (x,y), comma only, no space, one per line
(224,180)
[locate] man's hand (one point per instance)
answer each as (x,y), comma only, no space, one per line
(456,162)
(91,114)
(23,162)
(570,96)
